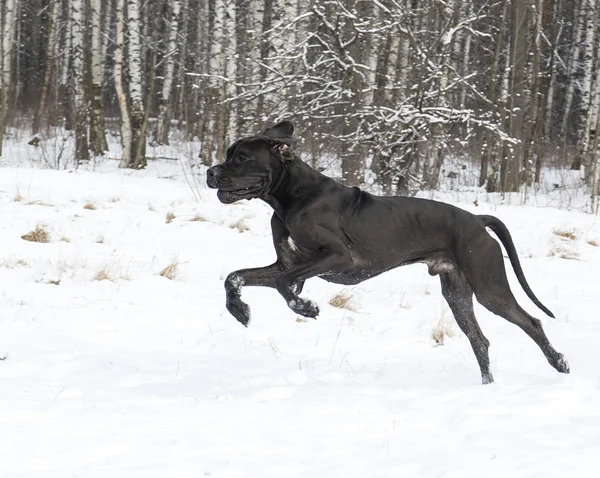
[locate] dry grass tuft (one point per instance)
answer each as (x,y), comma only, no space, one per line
(240,226)
(90,205)
(65,239)
(442,329)
(170,217)
(593,243)
(344,300)
(37,202)
(198,218)
(114,199)
(18,197)
(564,254)
(103,274)
(171,271)
(570,235)
(100,240)
(12,263)
(39,234)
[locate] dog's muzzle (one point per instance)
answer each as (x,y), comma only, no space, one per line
(212,177)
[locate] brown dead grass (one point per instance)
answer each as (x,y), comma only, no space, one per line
(593,243)
(170,216)
(39,234)
(564,254)
(90,206)
(240,225)
(344,300)
(570,235)
(442,330)
(103,274)
(198,218)
(171,271)
(12,263)
(37,202)
(18,197)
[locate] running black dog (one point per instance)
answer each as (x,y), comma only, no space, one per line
(344,235)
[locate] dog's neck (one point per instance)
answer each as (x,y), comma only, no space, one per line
(296,180)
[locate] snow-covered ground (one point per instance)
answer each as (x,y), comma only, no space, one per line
(138,375)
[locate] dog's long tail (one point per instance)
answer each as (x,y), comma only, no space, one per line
(501,231)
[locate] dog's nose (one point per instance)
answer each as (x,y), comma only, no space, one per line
(211,177)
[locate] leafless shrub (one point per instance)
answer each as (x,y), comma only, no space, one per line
(170,217)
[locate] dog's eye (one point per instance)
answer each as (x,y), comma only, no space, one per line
(243,159)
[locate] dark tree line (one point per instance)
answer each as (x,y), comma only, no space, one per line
(389,86)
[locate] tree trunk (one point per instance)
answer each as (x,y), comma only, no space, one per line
(98,142)
(138,141)
(8,39)
(588,8)
(81,109)
(161,135)
(49,73)
(121,98)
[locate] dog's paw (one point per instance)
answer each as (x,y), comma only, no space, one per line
(239,310)
(304,307)
(562,365)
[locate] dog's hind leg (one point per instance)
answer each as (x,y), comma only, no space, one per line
(483,266)
(459,295)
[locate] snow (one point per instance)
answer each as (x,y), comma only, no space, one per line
(145,376)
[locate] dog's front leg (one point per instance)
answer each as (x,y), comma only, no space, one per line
(260,276)
(287,280)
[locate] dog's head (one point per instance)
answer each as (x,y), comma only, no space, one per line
(252,165)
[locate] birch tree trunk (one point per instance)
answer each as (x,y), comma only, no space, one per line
(161,135)
(573,64)
(81,110)
(588,8)
(8,39)
(134,50)
(66,89)
(98,142)
(121,98)
(49,73)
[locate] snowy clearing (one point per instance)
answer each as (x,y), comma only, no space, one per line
(140,375)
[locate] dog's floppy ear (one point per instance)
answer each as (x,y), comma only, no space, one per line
(283,131)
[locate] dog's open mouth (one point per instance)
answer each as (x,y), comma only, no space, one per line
(244,193)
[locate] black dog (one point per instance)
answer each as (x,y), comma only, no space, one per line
(344,235)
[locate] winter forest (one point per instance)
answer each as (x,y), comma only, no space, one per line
(390,88)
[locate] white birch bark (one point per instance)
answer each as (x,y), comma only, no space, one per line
(162,127)
(573,65)
(98,142)
(588,8)
(230,69)
(52,51)
(134,50)
(122,99)
(8,40)
(81,142)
